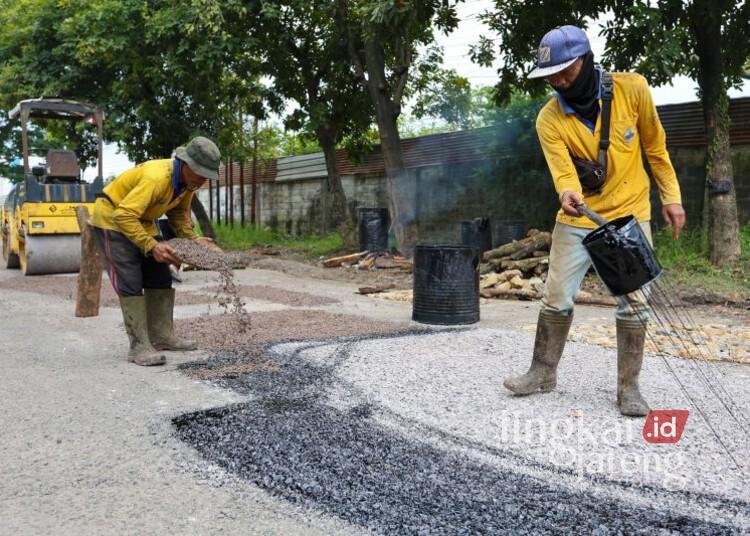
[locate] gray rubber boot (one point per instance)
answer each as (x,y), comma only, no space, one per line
(631,335)
(551,332)
(160,308)
(134,316)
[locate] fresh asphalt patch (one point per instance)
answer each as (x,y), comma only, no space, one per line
(317,439)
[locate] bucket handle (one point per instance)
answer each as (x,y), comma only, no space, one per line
(590,214)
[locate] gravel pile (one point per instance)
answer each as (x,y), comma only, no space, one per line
(283,296)
(66,287)
(317,433)
(222,332)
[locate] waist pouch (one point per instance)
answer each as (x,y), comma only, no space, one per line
(591,174)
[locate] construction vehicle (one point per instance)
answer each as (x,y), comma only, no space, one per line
(39,225)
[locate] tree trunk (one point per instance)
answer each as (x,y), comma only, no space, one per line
(723,223)
(401,184)
(203,220)
(340,215)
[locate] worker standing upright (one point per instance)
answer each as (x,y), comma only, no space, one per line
(590,106)
(136,262)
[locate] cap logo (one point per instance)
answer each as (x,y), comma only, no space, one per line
(544,54)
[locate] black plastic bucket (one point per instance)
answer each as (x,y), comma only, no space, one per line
(373,229)
(446,285)
(477,233)
(622,256)
(505,232)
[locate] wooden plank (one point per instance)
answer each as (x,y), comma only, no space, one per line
(90,273)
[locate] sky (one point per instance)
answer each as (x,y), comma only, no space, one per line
(456,56)
(456,49)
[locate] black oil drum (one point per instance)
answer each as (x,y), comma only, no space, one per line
(373,229)
(477,233)
(505,232)
(622,256)
(446,285)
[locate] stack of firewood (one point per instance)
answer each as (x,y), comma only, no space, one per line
(364,260)
(517,269)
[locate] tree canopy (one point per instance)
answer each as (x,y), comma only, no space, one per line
(704,39)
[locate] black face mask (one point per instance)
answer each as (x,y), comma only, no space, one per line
(581,95)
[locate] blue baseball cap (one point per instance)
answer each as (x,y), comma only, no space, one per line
(558,49)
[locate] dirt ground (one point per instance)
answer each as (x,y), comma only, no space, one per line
(704,302)
(89,444)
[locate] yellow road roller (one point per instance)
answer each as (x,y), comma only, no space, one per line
(39,226)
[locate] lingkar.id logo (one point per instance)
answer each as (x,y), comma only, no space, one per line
(665,426)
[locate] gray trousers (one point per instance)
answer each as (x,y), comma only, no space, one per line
(129,270)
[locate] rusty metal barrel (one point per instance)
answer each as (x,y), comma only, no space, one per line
(446,285)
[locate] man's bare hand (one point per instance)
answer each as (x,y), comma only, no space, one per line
(569,200)
(674,215)
(209,243)
(163,252)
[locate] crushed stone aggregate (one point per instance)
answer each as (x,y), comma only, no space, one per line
(312,435)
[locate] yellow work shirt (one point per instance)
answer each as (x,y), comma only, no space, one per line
(137,198)
(634,122)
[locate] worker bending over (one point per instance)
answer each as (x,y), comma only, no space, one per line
(137,264)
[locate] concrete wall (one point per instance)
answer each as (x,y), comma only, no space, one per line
(502,189)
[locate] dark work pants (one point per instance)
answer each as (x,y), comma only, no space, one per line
(129,270)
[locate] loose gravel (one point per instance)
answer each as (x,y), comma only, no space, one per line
(66,287)
(282,296)
(370,431)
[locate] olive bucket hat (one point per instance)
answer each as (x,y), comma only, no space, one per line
(203,157)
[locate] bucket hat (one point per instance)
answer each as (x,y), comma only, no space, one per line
(202,155)
(558,49)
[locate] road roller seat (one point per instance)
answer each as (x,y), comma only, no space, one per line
(62,166)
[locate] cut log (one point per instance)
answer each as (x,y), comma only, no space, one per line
(90,273)
(542,239)
(486,268)
(514,293)
(507,275)
(366,263)
(586,298)
(338,261)
(524,264)
(376,289)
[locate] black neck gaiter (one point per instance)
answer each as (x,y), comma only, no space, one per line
(581,95)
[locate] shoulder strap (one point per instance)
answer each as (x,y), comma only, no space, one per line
(607,91)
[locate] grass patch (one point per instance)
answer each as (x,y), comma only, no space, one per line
(687,262)
(240,238)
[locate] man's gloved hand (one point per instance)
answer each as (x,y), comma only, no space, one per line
(674,216)
(569,200)
(209,243)
(163,252)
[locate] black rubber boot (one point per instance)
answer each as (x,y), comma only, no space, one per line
(551,332)
(160,307)
(134,316)
(631,335)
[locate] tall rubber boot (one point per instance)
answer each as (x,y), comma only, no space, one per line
(134,316)
(160,307)
(551,333)
(631,335)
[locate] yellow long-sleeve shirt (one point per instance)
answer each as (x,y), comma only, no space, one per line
(634,121)
(137,198)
